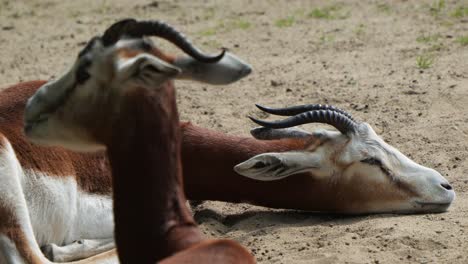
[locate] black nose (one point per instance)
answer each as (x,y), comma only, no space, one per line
(446,186)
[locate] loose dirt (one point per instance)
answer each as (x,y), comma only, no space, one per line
(401,66)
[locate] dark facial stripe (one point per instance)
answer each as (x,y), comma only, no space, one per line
(377,162)
(372,161)
(401,185)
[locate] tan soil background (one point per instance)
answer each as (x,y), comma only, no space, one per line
(362,57)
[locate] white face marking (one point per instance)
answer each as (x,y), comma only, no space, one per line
(228,70)
(364,159)
(69,112)
(430,187)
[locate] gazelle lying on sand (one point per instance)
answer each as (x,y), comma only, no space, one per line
(351,170)
(51,196)
(128,106)
(60,196)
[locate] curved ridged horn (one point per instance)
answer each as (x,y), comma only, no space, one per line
(116,31)
(295,110)
(139,29)
(341,122)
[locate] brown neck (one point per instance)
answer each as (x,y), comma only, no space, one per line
(91,171)
(151,218)
(209,157)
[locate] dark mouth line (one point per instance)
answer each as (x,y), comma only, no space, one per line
(429,204)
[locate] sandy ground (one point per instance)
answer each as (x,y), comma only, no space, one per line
(359,55)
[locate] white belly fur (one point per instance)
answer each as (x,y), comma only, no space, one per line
(60,213)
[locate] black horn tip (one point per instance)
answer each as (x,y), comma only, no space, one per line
(263,108)
(124,21)
(217,58)
(257,121)
(261,122)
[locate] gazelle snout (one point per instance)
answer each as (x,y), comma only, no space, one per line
(228,70)
(436,195)
(446,186)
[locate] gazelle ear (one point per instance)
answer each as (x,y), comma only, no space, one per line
(147,70)
(275,166)
(228,70)
(265,133)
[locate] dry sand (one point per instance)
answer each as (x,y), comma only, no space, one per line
(362,57)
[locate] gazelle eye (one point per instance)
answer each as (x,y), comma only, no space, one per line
(384,169)
(372,161)
(146,45)
(82,76)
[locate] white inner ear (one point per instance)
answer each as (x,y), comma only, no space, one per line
(145,68)
(275,166)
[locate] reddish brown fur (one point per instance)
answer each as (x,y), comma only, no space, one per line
(10,227)
(209,157)
(151,219)
(218,251)
(130,53)
(209,174)
(163,56)
(93,175)
(145,144)
(16,234)
(90,170)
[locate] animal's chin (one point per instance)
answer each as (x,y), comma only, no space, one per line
(434,207)
(31,130)
(32,125)
(42,134)
(38,140)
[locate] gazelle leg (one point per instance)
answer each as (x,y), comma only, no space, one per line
(79,249)
(17,241)
(217,251)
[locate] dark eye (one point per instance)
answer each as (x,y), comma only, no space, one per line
(146,45)
(372,161)
(82,76)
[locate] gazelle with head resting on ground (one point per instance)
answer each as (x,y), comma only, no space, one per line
(53,197)
(128,105)
(62,196)
(351,170)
